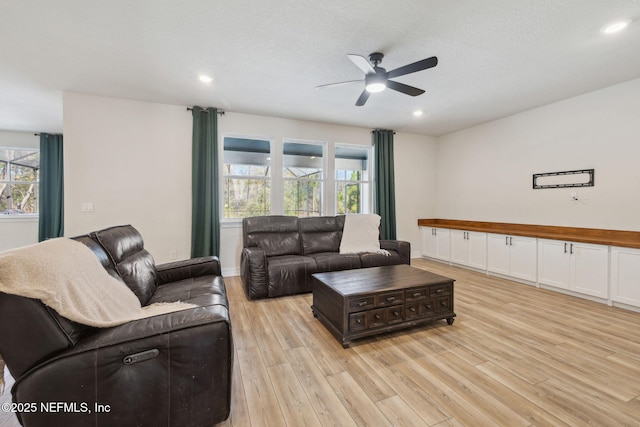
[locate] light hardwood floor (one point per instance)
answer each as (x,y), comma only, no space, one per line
(515,356)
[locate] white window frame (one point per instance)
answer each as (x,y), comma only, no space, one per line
(10,181)
(223,176)
(323,180)
(367,198)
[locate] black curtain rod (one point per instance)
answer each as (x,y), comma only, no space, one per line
(221,112)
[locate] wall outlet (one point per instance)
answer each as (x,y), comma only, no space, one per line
(173,255)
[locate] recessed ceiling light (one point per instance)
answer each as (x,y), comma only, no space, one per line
(417,113)
(205,79)
(615,27)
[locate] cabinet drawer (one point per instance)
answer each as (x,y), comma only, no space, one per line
(440,290)
(390,298)
(375,318)
(412,311)
(394,314)
(363,303)
(357,321)
(427,309)
(443,304)
(416,294)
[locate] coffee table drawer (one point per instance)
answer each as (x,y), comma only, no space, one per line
(357,321)
(416,294)
(390,298)
(440,290)
(362,303)
(375,318)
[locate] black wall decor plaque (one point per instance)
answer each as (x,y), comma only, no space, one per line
(577,178)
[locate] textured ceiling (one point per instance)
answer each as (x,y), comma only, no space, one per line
(496,57)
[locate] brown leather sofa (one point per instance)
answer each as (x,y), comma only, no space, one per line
(167,370)
(280,253)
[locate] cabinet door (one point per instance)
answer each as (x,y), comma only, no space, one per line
(428,242)
(625,276)
(477,250)
(523,257)
(590,269)
(498,253)
(554,263)
(442,244)
(459,247)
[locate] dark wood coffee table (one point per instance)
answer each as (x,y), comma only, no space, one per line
(369,301)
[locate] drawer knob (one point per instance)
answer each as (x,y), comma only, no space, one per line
(358,320)
(377,317)
(396,313)
(391,299)
(439,291)
(416,294)
(362,303)
(412,309)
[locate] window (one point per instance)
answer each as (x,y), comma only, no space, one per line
(246,177)
(303,178)
(19,180)
(352,179)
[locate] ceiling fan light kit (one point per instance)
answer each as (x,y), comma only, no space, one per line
(376,78)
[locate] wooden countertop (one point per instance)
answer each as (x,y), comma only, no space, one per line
(629,239)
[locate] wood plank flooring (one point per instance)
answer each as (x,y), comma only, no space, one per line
(515,356)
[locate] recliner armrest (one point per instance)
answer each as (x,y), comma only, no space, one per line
(253,272)
(187,269)
(401,247)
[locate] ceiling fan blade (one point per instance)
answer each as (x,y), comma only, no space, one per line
(362,63)
(412,68)
(363,98)
(339,83)
(401,87)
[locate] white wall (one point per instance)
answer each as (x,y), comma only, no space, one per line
(485,172)
(16,232)
(132,160)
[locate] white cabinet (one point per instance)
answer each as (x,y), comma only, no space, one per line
(513,256)
(578,267)
(573,266)
(625,276)
(435,243)
(469,248)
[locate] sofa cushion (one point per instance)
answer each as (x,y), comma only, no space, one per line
(290,274)
(333,261)
(276,235)
(134,264)
(319,234)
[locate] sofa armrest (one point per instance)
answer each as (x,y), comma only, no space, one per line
(401,247)
(253,272)
(187,269)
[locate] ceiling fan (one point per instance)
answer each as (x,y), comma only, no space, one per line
(376,78)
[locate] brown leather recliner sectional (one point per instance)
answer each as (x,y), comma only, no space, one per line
(167,370)
(280,253)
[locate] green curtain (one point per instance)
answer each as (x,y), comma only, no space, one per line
(384,199)
(51,218)
(205,212)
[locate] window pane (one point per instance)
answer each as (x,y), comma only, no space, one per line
(303,174)
(19,175)
(350,197)
(302,198)
(352,163)
(247,185)
(246,197)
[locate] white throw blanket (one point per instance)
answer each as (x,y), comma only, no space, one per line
(66,275)
(360,234)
